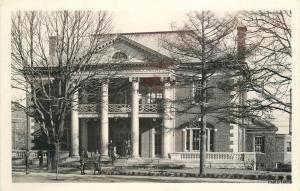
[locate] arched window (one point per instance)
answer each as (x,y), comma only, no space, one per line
(120,55)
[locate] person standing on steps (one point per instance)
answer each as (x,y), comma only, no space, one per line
(110,149)
(83,157)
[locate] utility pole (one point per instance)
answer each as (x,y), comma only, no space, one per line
(290,116)
(28,125)
(14,135)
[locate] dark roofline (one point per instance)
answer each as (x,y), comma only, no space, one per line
(151,32)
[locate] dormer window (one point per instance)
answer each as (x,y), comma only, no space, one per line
(120,56)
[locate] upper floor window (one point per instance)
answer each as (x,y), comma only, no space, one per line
(196,91)
(153,97)
(288,146)
(120,55)
(259,144)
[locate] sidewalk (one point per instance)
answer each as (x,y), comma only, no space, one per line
(43,177)
(65,170)
(137,175)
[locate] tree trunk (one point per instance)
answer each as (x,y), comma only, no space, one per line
(52,158)
(57,158)
(202,145)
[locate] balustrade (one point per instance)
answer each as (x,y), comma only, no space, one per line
(224,156)
(118,108)
(33,154)
(88,108)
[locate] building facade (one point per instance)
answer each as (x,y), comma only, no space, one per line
(145,110)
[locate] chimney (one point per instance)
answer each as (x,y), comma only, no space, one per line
(241,42)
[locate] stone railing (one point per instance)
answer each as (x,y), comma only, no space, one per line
(247,160)
(118,108)
(148,108)
(20,154)
(214,155)
(33,154)
(225,156)
(88,108)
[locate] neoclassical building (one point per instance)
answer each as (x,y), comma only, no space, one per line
(147,106)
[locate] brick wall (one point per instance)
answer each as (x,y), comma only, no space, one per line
(267,161)
(282,155)
(190,111)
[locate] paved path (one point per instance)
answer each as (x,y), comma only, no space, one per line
(50,177)
(65,170)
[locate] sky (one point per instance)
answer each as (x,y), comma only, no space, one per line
(143,20)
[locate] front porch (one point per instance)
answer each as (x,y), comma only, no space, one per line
(119,136)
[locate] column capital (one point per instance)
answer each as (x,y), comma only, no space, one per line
(104,80)
(167,81)
(134,79)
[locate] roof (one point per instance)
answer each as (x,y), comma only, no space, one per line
(152,44)
(151,40)
(261,124)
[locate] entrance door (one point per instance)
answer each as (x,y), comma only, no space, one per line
(121,138)
(93,137)
(93,142)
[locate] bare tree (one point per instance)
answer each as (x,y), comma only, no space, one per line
(54,54)
(268,72)
(200,48)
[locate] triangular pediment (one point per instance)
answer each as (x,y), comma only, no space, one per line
(125,50)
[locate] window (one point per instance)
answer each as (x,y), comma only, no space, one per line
(119,55)
(196,139)
(196,91)
(192,139)
(259,144)
(187,140)
(153,98)
(288,146)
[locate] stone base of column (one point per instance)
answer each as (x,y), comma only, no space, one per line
(73,158)
(165,156)
(104,158)
(134,160)
(135,157)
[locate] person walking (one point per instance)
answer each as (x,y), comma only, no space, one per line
(27,161)
(40,156)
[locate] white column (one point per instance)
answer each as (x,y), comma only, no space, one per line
(74,126)
(104,121)
(152,142)
(135,118)
(208,140)
(83,124)
(167,120)
(84,135)
(191,139)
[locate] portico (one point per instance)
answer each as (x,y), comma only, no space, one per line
(142,107)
